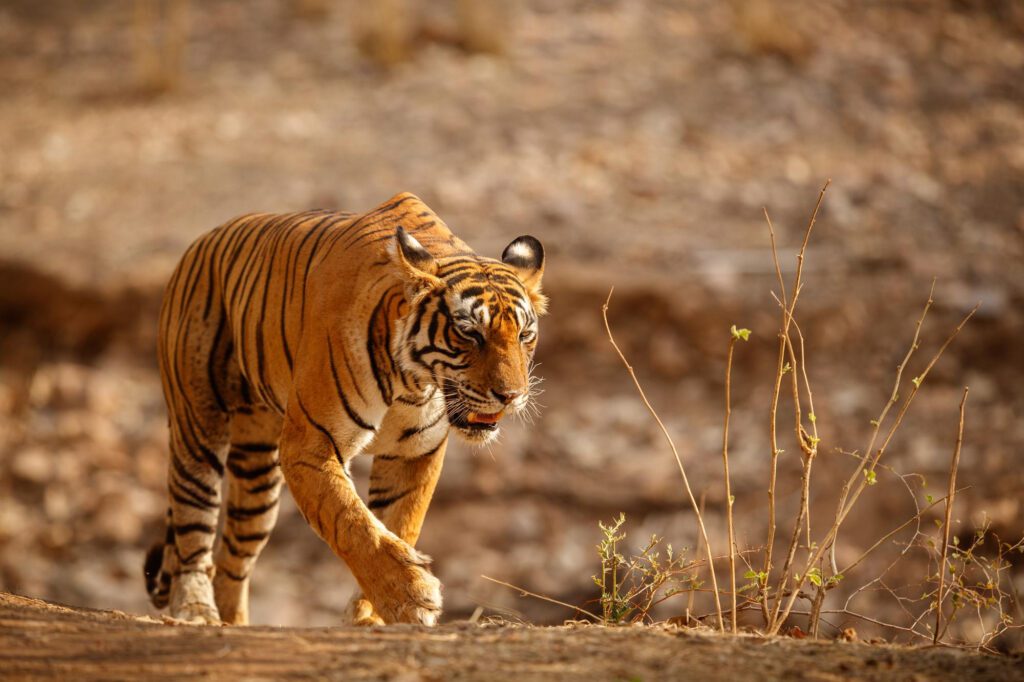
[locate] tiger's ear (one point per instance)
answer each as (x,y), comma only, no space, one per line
(417,265)
(525,255)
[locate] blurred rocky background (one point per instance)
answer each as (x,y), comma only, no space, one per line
(639,141)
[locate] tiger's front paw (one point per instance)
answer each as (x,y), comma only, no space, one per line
(405,591)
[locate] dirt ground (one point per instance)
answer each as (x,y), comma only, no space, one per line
(46,641)
(639,141)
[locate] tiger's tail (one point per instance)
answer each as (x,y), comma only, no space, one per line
(157,569)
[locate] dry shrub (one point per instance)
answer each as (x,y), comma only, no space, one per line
(956,577)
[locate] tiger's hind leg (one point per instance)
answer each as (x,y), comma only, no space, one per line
(254,489)
(197,456)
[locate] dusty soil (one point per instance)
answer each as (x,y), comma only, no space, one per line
(46,641)
(639,141)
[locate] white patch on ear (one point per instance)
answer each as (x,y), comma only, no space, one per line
(520,250)
(416,263)
(413,242)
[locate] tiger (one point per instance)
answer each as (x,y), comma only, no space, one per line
(288,344)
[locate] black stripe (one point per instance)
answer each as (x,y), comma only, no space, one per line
(305,274)
(281,231)
(186,497)
(235,551)
(252,537)
(228,574)
(287,290)
(470,292)
(189,284)
(209,455)
(187,475)
(387,501)
(413,430)
(264,487)
(359,421)
(432,452)
(321,429)
(348,368)
(209,364)
(251,474)
(186,528)
(186,560)
(382,378)
(254,447)
(243,513)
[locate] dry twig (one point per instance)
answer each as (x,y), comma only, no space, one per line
(527,593)
(675,453)
(950,496)
(737,334)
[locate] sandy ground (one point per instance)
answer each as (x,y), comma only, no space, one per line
(46,641)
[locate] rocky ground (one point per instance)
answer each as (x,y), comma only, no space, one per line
(44,641)
(639,141)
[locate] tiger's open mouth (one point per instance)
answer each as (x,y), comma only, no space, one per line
(478,420)
(478,427)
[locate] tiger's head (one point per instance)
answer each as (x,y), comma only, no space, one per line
(471,329)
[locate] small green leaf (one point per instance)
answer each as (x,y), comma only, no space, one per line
(812,417)
(786,368)
(874,422)
(740,334)
(917,381)
(929,499)
(750,575)
(870,476)
(732,500)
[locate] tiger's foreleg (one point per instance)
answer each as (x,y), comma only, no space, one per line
(393,576)
(254,490)
(401,487)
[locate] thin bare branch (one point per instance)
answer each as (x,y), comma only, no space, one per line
(675,453)
(950,498)
(527,593)
(728,487)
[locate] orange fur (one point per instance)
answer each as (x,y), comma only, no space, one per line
(304,340)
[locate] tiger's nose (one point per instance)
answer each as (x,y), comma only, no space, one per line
(506,397)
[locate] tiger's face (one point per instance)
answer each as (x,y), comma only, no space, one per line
(472,330)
